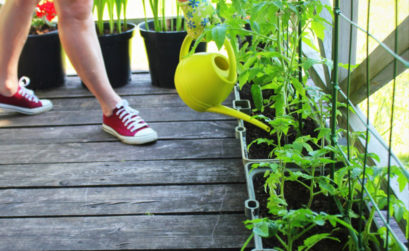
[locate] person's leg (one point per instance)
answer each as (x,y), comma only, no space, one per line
(79,39)
(78,36)
(15,20)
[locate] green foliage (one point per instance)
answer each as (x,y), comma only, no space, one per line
(312,240)
(158,10)
(115,8)
(293,225)
(266,43)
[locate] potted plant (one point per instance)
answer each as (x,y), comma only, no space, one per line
(114,37)
(41,59)
(163,38)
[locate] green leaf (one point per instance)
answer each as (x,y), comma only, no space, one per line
(219,34)
(318,28)
(257,95)
(325,185)
(243,78)
(265,229)
(352,214)
(399,211)
(99,7)
(299,87)
(118,7)
(402,182)
(238,6)
(312,240)
(111,11)
(279,104)
(310,43)
(255,26)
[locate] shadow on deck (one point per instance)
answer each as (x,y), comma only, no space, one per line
(67,185)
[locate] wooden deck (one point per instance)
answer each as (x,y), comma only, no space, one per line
(67,185)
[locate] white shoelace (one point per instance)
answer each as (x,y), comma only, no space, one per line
(129,116)
(23,91)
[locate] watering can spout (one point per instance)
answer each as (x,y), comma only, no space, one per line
(221,109)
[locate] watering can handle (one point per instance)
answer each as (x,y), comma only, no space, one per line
(184,50)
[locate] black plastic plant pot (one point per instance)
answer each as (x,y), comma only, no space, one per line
(162,49)
(41,60)
(116,52)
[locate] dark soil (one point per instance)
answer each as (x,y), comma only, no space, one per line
(41,30)
(297,197)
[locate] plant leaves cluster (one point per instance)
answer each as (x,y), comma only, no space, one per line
(158,10)
(267,37)
(116,12)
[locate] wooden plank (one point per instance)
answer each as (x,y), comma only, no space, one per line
(320,73)
(126,232)
(94,133)
(326,45)
(90,103)
(64,118)
(122,173)
(122,200)
(380,68)
(139,85)
(160,100)
(317,71)
(116,151)
(344,36)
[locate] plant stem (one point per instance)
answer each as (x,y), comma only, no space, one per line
(178,18)
(144,11)
(282,242)
(304,231)
(302,183)
(289,238)
(125,3)
(247,241)
(154,7)
(164,26)
(311,188)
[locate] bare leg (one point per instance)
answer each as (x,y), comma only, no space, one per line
(15,20)
(79,39)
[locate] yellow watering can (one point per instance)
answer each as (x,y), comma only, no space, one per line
(204,80)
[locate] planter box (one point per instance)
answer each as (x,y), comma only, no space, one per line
(251,205)
(243,105)
(253,208)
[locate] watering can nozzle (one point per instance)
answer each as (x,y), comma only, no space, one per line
(221,109)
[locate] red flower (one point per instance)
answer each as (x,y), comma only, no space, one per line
(46,9)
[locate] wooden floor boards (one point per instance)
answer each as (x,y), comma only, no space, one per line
(67,185)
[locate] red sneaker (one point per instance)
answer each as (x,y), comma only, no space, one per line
(128,126)
(25,101)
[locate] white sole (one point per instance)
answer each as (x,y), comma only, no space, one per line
(26,111)
(138,140)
